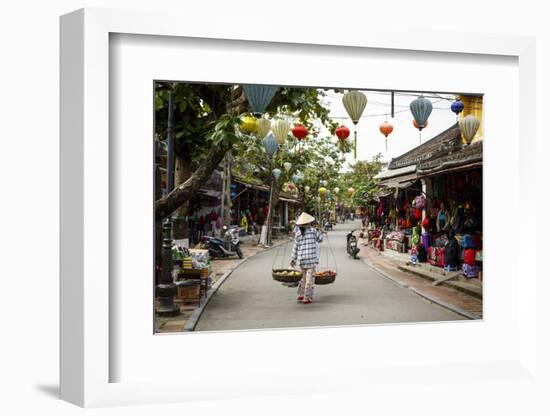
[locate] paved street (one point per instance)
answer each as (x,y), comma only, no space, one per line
(250,298)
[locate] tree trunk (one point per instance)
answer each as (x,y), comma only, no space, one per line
(183,171)
(273,204)
(184,192)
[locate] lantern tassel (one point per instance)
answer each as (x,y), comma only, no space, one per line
(386,145)
(355,143)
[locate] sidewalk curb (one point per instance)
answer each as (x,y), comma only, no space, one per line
(452,285)
(191,323)
(420,293)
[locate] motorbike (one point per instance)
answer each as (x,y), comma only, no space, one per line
(328,226)
(228,247)
(352,248)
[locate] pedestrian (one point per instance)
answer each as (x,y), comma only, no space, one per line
(305,254)
(452,252)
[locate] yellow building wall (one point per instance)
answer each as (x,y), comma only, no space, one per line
(473,105)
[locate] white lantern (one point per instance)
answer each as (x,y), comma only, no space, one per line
(287,166)
(469,126)
(263,127)
(280,129)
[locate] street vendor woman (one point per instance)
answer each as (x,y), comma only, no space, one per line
(305,254)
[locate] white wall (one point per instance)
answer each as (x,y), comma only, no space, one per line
(29,184)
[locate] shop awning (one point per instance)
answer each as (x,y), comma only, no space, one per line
(251,185)
(403,181)
(392,173)
(292,201)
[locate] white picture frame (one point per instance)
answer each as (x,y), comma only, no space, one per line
(85,350)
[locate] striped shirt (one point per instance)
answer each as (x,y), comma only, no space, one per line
(304,251)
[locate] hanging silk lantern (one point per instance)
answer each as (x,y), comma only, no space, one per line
(276,173)
(280,129)
(307,188)
(264,125)
(421,108)
(350,191)
(355,103)
(323,183)
(386,128)
(468,127)
(270,145)
(299,131)
(342,133)
(248,124)
(457,106)
(322,191)
(415,124)
(259,97)
(287,166)
(295,178)
(291,186)
(336,190)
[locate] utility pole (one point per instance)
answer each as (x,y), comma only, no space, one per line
(166,289)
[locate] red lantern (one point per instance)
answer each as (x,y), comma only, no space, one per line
(291,186)
(415,124)
(299,131)
(386,128)
(342,133)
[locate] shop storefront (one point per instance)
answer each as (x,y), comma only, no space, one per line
(430,203)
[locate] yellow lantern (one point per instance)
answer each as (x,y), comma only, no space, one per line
(322,191)
(248,124)
(351,191)
(354,103)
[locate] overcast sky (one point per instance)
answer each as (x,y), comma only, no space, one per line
(404,136)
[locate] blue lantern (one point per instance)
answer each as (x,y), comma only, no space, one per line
(270,144)
(276,173)
(259,97)
(421,108)
(295,178)
(457,106)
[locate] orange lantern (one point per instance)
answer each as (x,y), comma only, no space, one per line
(386,128)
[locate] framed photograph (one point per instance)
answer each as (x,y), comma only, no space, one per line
(217,187)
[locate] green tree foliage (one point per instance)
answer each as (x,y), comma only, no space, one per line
(206,116)
(361,178)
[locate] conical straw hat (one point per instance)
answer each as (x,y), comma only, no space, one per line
(304,219)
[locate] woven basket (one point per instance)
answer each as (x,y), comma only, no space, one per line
(276,273)
(325,279)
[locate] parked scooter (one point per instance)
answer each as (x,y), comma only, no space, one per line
(228,247)
(352,245)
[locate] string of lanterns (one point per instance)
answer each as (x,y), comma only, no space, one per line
(421,108)
(275,133)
